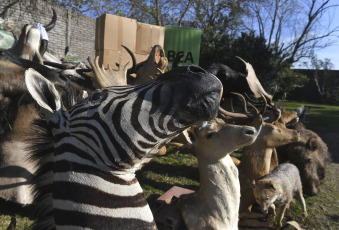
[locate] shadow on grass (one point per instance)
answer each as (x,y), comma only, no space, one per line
(334,218)
(11,208)
(167,170)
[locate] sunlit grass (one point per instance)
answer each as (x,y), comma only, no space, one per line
(321,118)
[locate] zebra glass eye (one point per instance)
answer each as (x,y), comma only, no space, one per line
(96,96)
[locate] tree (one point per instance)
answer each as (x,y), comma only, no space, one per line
(326,80)
(92,8)
(294,29)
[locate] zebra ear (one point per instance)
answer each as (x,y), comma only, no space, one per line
(42,90)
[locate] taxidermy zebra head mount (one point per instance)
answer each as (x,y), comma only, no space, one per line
(123,127)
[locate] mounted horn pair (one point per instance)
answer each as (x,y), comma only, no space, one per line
(254,83)
(242,118)
(109,77)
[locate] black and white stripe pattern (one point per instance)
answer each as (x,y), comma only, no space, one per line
(86,176)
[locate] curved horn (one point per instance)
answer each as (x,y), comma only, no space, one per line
(242,60)
(243,100)
(43,47)
(254,83)
(133,69)
(52,23)
(274,91)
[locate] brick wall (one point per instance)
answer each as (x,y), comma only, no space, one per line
(72,29)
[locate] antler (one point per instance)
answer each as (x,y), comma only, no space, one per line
(107,78)
(133,69)
(244,119)
(243,100)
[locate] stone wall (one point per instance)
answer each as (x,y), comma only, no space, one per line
(73,30)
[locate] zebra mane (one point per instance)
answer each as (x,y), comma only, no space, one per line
(42,152)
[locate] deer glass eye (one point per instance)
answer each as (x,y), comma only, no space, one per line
(209,135)
(273,128)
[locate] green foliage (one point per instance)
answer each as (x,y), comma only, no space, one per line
(327,81)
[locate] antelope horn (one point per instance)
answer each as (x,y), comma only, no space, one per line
(160,71)
(51,25)
(274,91)
(241,60)
(43,47)
(243,100)
(133,69)
(256,88)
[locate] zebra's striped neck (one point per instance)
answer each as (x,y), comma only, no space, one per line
(75,189)
(95,199)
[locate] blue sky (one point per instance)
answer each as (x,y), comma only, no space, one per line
(331,52)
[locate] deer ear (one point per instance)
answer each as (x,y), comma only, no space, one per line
(312,143)
(42,90)
(270,185)
(191,135)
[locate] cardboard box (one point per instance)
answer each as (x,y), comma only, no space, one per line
(148,36)
(114,56)
(113,31)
